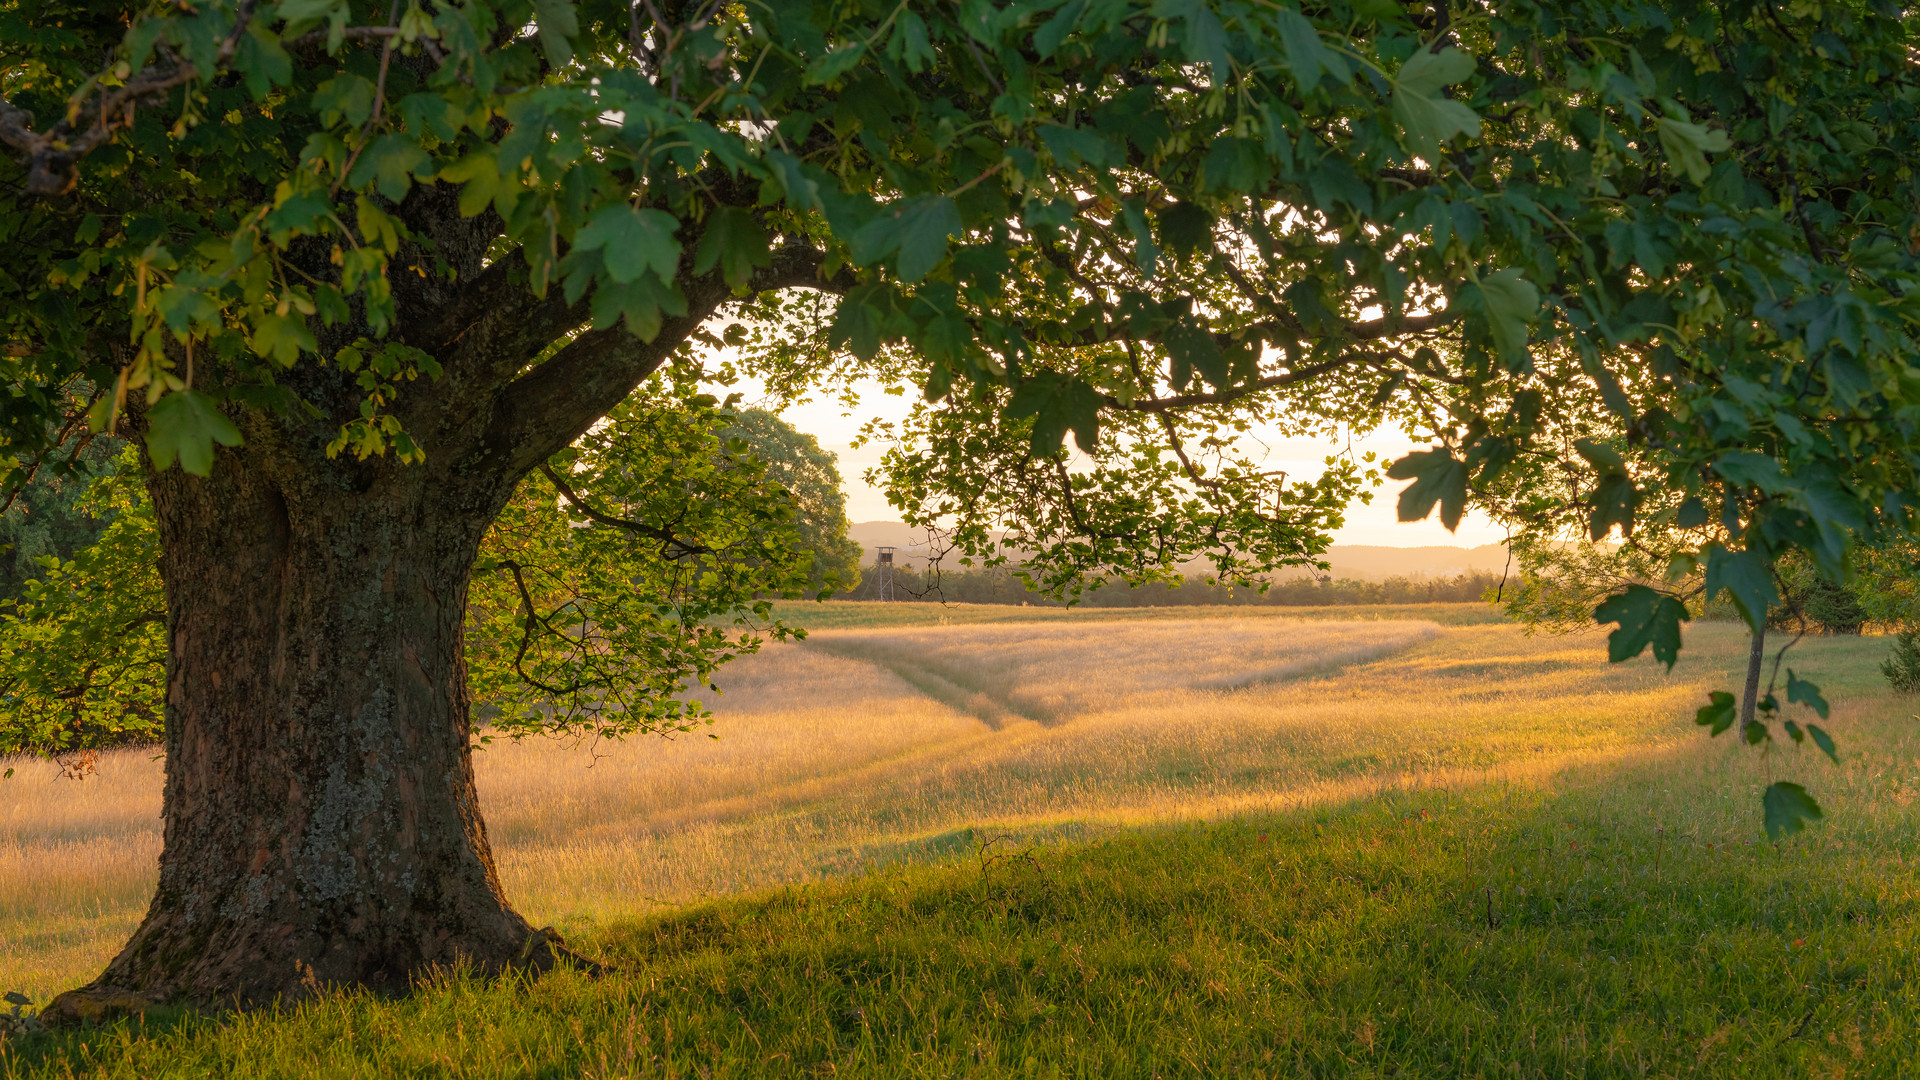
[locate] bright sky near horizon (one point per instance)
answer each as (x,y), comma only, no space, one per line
(1375,523)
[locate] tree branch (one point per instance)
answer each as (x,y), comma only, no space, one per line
(1232,393)
(671,546)
(51,155)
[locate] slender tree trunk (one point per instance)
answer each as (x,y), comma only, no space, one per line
(321,819)
(1750,695)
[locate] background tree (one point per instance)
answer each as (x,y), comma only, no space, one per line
(50,515)
(360,271)
(584,621)
(795,461)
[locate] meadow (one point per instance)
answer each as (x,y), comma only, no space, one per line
(1040,843)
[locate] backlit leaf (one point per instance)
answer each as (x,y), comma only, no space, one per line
(1512,304)
(1057,404)
(1745,576)
(1428,117)
(1437,476)
(735,242)
(1646,618)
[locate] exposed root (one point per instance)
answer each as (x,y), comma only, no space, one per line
(103,1003)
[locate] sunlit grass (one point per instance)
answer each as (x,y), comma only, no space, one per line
(1434,852)
(853,614)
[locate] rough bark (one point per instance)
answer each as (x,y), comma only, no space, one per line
(322,826)
(321,822)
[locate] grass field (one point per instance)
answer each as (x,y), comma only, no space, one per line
(1192,846)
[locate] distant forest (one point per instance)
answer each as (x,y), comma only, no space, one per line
(1000,586)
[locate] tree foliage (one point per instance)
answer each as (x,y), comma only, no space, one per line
(83,643)
(1662,251)
(589,616)
(811,476)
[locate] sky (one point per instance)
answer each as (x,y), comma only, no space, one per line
(835,427)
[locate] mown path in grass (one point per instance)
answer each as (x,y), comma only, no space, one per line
(1381,870)
(829,765)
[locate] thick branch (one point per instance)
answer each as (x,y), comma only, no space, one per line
(542,410)
(671,546)
(497,322)
(51,155)
(555,403)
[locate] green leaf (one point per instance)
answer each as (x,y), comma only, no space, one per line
(735,242)
(910,43)
(430,113)
(1719,712)
(860,320)
(302,11)
(1823,740)
(1146,253)
(558,26)
(1614,500)
(643,302)
(282,338)
(632,242)
(1745,577)
(1687,146)
(264,63)
(827,68)
(1802,692)
(1788,809)
(1076,146)
(481,183)
(183,426)
(1428,118)
(1206,38)
(1236,165)
(1185,228)
(344,97)
(1047,39)
(1437,476)
(917,228)
(1512,303)
(1058,404)
(1646,618)
(1191,347)
(1602,457)
(389,163)
(1749,469)
(802,190)
(1307,57)
(1426,71)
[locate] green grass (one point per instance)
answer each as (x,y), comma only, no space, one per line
(1624,920)
(838,614)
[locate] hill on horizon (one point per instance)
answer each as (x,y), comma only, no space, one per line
(1363,562)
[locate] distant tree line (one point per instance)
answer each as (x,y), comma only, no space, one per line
(1002,586)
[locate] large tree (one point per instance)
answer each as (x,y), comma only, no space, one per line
(355,272)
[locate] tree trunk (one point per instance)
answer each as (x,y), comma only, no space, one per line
(321,820)
(1750,693)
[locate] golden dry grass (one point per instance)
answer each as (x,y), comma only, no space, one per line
(868,746)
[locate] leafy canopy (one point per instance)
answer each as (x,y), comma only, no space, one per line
(1662,252)
(589,616)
